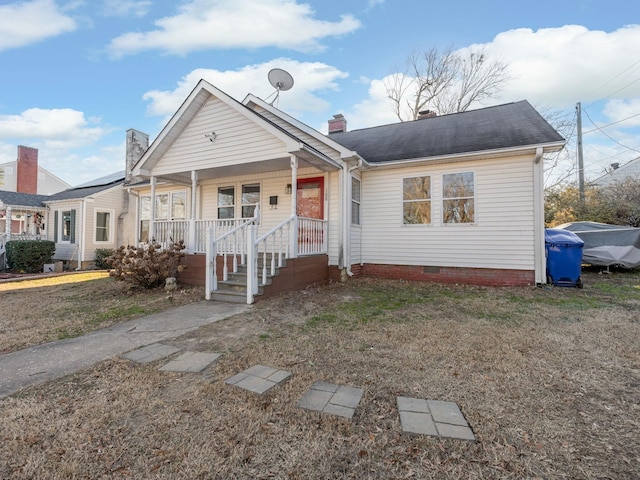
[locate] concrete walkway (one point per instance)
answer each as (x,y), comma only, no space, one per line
(39,364)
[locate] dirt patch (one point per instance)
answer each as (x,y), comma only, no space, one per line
(548,379)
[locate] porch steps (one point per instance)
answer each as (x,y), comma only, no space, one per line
(234,289)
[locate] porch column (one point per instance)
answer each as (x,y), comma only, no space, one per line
(7,227)
(293,232)
(152,222)
(193,241)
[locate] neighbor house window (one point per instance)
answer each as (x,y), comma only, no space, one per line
(250,199)
(355,201)
(416,200)
(145,218)
(458,197)
(226,202)
(103,226)
(64,226)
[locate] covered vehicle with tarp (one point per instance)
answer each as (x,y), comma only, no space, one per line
(607,245)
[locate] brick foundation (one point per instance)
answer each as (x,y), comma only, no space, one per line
(469,276)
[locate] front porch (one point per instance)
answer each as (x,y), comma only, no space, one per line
(236,262)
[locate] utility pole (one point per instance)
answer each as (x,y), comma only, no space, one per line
(580,158)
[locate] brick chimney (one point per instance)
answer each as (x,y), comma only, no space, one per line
(137,144)
(426,114)
(337,124)
(27,170)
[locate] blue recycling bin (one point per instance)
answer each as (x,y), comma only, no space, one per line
(564,257)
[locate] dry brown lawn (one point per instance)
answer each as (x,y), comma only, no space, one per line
(548,379)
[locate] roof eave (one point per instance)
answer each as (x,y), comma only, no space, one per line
(469,156)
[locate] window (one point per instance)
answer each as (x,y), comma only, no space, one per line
(226,202)
(250,198)
(145,218)
(458,194)
(66,226)
(103,226)
(416,200)
(162,206)
(355,201)
(178,206)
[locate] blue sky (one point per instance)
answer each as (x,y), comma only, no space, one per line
(75,75)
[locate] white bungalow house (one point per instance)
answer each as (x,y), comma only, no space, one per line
(265,203)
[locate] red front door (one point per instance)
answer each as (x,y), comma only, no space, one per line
(310,198)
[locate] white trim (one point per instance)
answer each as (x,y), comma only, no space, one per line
(110,227)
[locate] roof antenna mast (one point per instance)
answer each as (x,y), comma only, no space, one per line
(281,80)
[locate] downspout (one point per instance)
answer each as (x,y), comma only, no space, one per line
(81,242)
(346,225)
(538,218)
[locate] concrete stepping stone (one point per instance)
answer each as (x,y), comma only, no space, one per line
(258,379)
(433,417)
(334,399)
(150,353)
(190,362)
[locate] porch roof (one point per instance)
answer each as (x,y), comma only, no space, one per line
(22,200)
(186,113)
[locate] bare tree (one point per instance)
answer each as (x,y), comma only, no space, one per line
(444,81)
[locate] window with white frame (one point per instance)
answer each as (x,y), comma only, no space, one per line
(250,199)
(226,203)
(103,226)
(65,226)
(145,218)
(416,200)
(355,201)
(458,197)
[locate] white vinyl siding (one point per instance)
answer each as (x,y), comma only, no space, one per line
(238,141)
(501,237)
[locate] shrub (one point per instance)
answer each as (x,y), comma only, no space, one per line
(147,265)
(29,256)
(101,256)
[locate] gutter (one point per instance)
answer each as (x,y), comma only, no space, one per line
(346,226)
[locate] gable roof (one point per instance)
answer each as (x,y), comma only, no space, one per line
(17,199)
(509,126)
(628,170)
(189,109)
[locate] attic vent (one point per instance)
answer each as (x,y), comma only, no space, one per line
(615,166)
(426,114)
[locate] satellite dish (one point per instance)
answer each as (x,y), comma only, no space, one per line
(281,80)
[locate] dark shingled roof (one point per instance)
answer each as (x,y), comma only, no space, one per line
(90,188)
(504,126)
(22,199)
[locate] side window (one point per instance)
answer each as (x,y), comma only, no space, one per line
(250,198)
(355,201)
(145,218)
(226,202)
(416,200)
(162,206)
(458,197)
(66,226)
(178,209)
(103,227)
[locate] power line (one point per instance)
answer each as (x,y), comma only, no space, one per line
(609,137)
(609,124)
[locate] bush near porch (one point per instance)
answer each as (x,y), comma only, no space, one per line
(29,256)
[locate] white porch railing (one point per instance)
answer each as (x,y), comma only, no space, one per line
(262,255)
(172,231)
(232,244)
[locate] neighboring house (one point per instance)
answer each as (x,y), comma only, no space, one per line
(81,219)
(619,173)
(456,198)
(26,176)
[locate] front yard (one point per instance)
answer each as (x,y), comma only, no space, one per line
(548,378)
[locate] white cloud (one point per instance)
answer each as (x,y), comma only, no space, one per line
(223,24)
(561,66)
(55,128)
(126,8)
(310,79)
(627,112)
(30,22)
